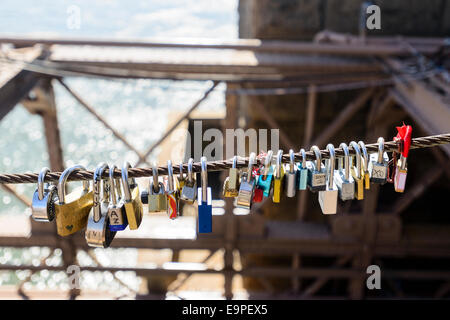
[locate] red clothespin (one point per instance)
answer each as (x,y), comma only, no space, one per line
(404,139)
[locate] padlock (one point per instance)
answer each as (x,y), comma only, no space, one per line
(291,176)
(43,204)
(131,199)
(344,181)
(155,197)
(265,180)
(116,212)
(278,178)
(328,198)
(98,234)
(302,172)
(231,183)
(72,211)
(204,201)
(365,165)
(316,172)
(247,187)
(400,175)
(171,193)
(356,172)
(378,164)
(181,179)
(258,195)
(189,191)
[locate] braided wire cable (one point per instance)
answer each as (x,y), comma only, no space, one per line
(416,143)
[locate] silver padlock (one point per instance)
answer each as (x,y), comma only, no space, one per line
(98,233)
(43,204)
(171,193)
(378,164)
(189,191)
(342,177)
(247,187)
(316,172)
(328,198)
(291,176)
(116,212)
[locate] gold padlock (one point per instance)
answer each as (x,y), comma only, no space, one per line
(132,199)
(357,173)
(231,183)
(72,211)
(365,166)
(278,178)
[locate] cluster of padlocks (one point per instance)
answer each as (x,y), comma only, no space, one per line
(112,204)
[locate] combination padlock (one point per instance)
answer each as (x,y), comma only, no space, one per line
(189,191)
(378,164)
(344,181)
(356,172)
(131,199)
(116,212)
(291,176)
(204,201)
(247,187)
(43,204)
(316,172)
(72,211)
(302,172)
(98,234)
(265,180)
(365,165)
(328,198)
(171,193)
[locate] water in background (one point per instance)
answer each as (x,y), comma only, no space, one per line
(136,108)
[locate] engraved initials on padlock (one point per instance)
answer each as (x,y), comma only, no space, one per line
(378,165)
(316,172)
(43,204)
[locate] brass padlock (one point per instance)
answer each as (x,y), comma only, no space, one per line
(132,199)
(278,178)
(157,200)
(365,167)
(231,183)
(43,204)
(72,211)
(98,233)
(356,172)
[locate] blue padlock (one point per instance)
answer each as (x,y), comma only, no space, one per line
(302,172)
(264,181)
(204,201)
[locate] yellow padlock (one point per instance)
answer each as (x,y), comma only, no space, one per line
(72,211)
(365,166)
(356,172)
(132,199)
(231,183)
(278,178)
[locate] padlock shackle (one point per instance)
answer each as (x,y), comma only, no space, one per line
(190,174)
(41,179)
(155,178)
(303,153)
(316,151)
(291,161)
(346,161)
(169,175)
(330,165)
(126,181)
(365,156)
(267,163)
(251,163)
(112,181)
(204,175)
(278,164)
(62,182)
(234,164)
(355,147)
(380,142)
(96,187)
(181,175)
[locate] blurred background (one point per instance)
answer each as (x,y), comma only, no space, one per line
(309,68)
